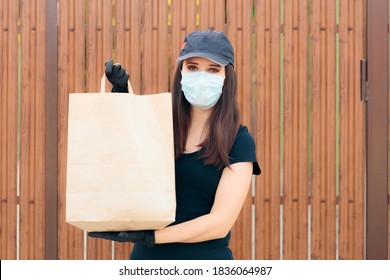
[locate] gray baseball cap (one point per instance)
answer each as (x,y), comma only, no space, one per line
(210,44)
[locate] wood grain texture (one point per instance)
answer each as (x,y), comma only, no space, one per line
(295,131)
(351,117)
(388,193)
(8,128)
(32,149)
(71,74)
(155,47)
(212,14)
(267,130)
(323,114)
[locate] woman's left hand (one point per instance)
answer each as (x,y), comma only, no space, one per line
(146,237)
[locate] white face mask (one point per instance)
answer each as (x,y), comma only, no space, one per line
(202,89)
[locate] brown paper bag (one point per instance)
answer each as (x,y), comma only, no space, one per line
(120,166)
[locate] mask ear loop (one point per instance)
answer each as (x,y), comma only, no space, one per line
(103,85)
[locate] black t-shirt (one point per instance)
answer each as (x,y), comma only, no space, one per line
(196,185)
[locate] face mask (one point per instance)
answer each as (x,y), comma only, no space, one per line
(202,89)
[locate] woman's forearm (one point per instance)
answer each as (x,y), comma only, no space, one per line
(203,228)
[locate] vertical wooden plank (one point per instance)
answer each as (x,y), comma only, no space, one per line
(135,47)
(267,129)
(155,52)
(376,131)
(351,119)
(330,129)
(358,187)
(99,49)
(351,174)
(122,33)
(351,134)
(8,127)
(388,140)
(161,37)
(63,70)
(233,21)
(149,53)
(212,15)
(205,9)
(289,156)
(346,159)
(295,138)
(323,192)
(239,32)
(183,21)
(71,71)
(32,166)
(40,127)
(25,128)
(51,131)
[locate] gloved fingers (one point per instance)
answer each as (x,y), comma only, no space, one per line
(106,235)
(146,237)
(108,69)
(117,70)
(128,235)
(123,79)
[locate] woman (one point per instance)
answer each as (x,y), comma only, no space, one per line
(214,156)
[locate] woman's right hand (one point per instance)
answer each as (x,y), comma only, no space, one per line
(117,75)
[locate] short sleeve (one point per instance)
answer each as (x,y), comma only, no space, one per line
(244,149)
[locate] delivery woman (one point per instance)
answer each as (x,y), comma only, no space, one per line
(214,155)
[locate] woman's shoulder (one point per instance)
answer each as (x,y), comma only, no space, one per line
(244,149)
(243,132)
(243,138)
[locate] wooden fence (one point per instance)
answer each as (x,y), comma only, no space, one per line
(297,64)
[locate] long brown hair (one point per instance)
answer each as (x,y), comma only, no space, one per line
(222,124)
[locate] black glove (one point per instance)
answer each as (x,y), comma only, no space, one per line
(117,76)
(145,237)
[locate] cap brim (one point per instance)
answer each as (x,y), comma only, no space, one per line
(214,58)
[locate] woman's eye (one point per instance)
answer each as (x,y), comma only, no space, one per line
(213,70)
(192,68)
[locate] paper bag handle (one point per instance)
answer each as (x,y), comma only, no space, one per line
(103,85)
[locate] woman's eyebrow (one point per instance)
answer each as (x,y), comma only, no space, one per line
(191,62)
(215,65)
